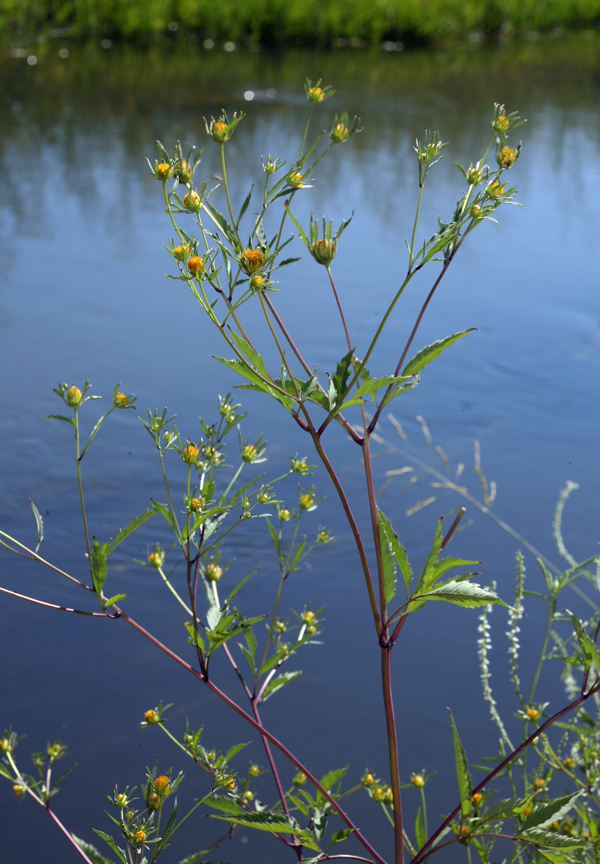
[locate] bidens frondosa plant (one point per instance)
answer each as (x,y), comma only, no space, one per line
(228,260)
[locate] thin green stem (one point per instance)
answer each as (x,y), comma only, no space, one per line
(312,106)
(412,242)
(174,592)
(226,184)
(424,811)
(164,475)
(276,606)
(85,526)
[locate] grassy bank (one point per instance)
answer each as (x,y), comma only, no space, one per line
(296,21)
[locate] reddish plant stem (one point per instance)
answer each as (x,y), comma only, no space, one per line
(54,606)
(386,674)
(259,728)
(67,833)
(421,854)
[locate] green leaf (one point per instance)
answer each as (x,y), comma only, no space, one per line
(251,353)
(131,527)
(257,384)
(388,558)
(430,352)
(108,839)
(556,841)
(164,510)
(559,857)
(223,223)
(168,830)
(40,524)
(273,822)
(226,805)
(245,204)
(278,682)
(420,835)
(588,647)
(467,594)
(331,778)
(116,599)
(339,836)
(92,853)
(274,537)
(465,785)
(341,375)
(544,816)
(60,417)
(6,773)
(233,750)
(427,577)
(308,387)
(98,562)
(503,809)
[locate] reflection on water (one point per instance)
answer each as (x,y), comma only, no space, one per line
(83,295)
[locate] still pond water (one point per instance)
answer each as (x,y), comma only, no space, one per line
(83,295)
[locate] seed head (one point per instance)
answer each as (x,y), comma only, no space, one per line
(74,396)
(213,572)
(151,716)
(190,454)
(252,260)
(181,252)
(192,201)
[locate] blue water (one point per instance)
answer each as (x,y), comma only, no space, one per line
(84,296)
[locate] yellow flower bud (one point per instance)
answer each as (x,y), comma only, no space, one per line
(463,831)
(285,515)
(368,780)
(155,559)
(527,811)
(308,617)
(306,501)
(323,251)
(501,123)
(295,180)
(254,770)
(339,133)
(252,260)
(533,714)
(495,189)
(140,837)
(185,172)
(507,157)
(316,94)
(474,176)
(5,745)
(190,454)
(477,798)
(153,800)
(300,778)
(476,211)
(181,252)
(568,762)
(151,716)
(248,795)
(164,171)
(219,131)
(192,201)
(121,800)
(258,282)
(162,785)
(388,796)
(18,790)
(196,265)
(417,780)
(554,825)
(539,783)
(54,751)
(121,400)
(74,396)
(378,794)
(249,453)
(197,504)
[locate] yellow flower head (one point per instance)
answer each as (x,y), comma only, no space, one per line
(162,785)
(219,131)
(507,157)
(539,783)
(249,453)
(181,252)
(192,201)
(477,798)
(324,251)
(417,780)
(300,778)
(252,260)
(164,171)
(306,501)
(495,189)
(258,282)
(533,714)
(140,837)
(151,716)
(74,396)
(295,180)
(316,94)
(196,265)
(197,504)
(190,454)
(368,780)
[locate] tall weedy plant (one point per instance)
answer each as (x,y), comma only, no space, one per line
(228,260)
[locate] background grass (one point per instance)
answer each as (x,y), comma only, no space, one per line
(280,21)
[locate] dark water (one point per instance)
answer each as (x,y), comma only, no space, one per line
(83,296)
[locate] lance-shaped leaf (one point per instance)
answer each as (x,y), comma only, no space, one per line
(341,375)
(543,817)
(465,785)
(329,780)
(251,353)
(224,804)
(503,809)
(388,558)
(467,594)
(40,524)
(397,548)
(277,684)
(428,574)
(273,822)
(164,511)
(95,856)
(430,352)
(133,526)
(420,835)
(98,562)
(589,650)
(554,841)
(108,839)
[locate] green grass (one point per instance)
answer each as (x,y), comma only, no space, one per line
(284,21)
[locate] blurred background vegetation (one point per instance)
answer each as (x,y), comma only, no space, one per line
(272,22)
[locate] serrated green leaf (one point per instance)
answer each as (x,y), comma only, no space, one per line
(226,805)
(40,524)
(223,223)
(164,511)
(339,836)
(387,555)
(341,375)
(234,750)
(273,822)
(430,352)
(95,856)
(251,353)
(98,562)
(467,594)
(559,857)
(308,387)
(59,417)
(553,840)
(465,785)
(588,647)
(427,577)
(545,815)
(505,808)
(278,682)
(329,780)
(131,527)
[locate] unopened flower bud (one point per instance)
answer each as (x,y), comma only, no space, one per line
(219,131)
(196,265)
(197,504)
(254,770)
(463,831)
(252,260)
(476,211)
(368,780)
(500,123)
(185,172)
(181,252)
(151,716)
(190,454)
(316,94)
(192,201)
(477,798)
(339,133)
(248,795)
(417,780)
(162,785)
(306,501)
(539,783)
(121,400)
(249,453)
(295,180)
(153,800)
(18,790)
(285,515)
(527,811)
(74,396)
(54,751)
(378,794)
(300,778)
(324,536)
(568,762)
(495,190)
(263,497)
(388,796)
(156,559)
(474,176)
(164,171)
(507,157)
(121,800)
(140,837)
(213,572)
(323,251)
(257,282)
(308,617)
(5,745)
(533,714)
